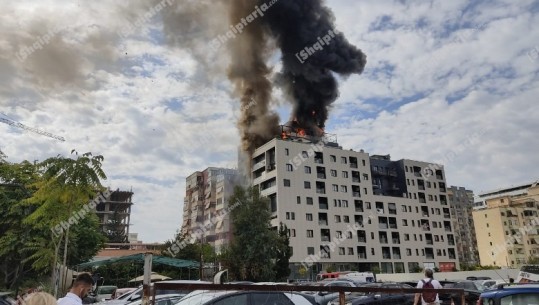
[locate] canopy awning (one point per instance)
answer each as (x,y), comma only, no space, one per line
(157,259)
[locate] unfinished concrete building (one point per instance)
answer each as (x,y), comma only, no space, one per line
(115,212)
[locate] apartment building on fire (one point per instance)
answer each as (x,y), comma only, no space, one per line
(320,190)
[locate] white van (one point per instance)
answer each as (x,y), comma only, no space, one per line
(360,277)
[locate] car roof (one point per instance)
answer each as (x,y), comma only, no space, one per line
(507,290)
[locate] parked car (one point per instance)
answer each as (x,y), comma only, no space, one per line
(122,291)
(511,294)
(5,299)
(137,294)
(105,293)
(472,291)
(205,297)
(163,299)
(372,298)
(323,297)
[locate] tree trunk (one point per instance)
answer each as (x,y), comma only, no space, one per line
(56,250)
(65,258)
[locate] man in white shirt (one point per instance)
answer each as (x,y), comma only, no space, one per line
(81,287)
(426,295)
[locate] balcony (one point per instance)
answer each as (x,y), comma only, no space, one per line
(355,179)
(442,189)
(362,239)
(356,194)
(447,229)
(321,176)
(320,191)
(259,165)
(447,215)
(323,206)
(359,209)
(353,165)
(323,222)
(325,238)
(383,226)
(421,187)
(429,242)
(422,200)
(362,255)
(429,256)
(396,241)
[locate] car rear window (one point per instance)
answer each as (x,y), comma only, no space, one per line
(520,299)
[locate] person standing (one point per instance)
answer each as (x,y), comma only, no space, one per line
(428,298)
(82,286)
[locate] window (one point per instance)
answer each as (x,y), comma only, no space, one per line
(338,234)
(337,218)
(365,176)
(292,232)
(293,216)
(304,154)
(309,216)
(335,187)
(365,191)
(286,182)
(286,151)
(333,158)
(341,251)
(372,251)
(350,251)
(235,299)
(309,200)
(406,237)
(349,235)
(310,233)
(345,203)
(288,215)
(404,209)
(367,205)
(408,252)
(298,199)
(344,189)
(289,168)
(307,169)
(345,174)
(333,173)
(310,250)
(307,184)
(405,222)
(346,219)
(343,160)
(264,298)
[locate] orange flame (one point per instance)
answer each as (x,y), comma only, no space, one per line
(300,132)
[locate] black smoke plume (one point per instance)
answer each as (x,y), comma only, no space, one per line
(310,85)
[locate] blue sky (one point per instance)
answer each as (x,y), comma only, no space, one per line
(157,104)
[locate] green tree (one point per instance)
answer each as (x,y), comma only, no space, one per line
(67,184)
(254,247)
(14,187)
(284,253)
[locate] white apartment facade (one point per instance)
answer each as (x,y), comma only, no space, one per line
(349,210)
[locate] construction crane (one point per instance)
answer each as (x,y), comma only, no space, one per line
(34,130)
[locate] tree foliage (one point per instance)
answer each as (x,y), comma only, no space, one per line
(256,247)
(35,197)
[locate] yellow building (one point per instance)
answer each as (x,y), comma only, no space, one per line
(507,226)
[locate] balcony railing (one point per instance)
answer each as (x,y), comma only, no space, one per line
(362,239)
(325,238)
(386,255)
(430,256)
(353,165)
(392,225)
(323,222)
(321,191)
(421,187)
(355,179)
(422,200)
(321,176)
(447,215)
(383,226)
(362,255)
(448,229)
(439,177)
(359,209)
(356,194)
